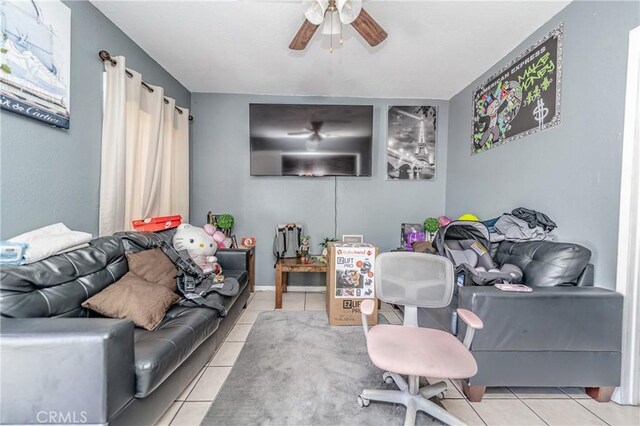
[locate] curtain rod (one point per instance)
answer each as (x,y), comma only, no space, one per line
(106,56)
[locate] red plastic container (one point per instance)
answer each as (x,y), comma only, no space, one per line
(159,223)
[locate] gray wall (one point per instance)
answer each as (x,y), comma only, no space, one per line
(366,205)
(571,172)
(50,175)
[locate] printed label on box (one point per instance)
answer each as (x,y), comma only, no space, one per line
(354,266)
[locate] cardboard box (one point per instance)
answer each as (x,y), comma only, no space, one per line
(159,223)
(350,280)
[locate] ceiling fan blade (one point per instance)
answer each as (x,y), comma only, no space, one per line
(369,29)
(303,36)
(307,133)
(316,126)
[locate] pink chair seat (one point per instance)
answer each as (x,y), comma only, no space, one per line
(419,352)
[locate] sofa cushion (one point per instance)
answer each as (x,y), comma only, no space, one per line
(160,352)
(154,266)
(545,263)
(135,299)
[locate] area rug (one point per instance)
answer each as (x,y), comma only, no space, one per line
(295,369)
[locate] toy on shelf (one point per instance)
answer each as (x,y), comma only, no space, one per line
(444,221)
(201,245)
(409,234)
(224,223)
(469,217)
(305,247)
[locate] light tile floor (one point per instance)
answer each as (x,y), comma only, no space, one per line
(500,406)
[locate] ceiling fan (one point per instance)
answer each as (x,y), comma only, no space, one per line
(313,132)
(314,135)
(334,13)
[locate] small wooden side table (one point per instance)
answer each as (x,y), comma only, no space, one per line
(252,269)
(284,266)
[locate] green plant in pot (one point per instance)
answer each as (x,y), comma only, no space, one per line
(431,226)
(225,223)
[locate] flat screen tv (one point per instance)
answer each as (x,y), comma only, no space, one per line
(311,140)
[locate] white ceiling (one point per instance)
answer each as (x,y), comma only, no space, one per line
(434,48)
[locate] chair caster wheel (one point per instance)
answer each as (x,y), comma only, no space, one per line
(363,402)
(386,377)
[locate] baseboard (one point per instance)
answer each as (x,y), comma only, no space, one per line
(294,288)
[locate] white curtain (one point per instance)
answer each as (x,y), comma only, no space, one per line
(145,152)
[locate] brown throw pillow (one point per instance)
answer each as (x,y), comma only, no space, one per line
(133,298)
(154,266)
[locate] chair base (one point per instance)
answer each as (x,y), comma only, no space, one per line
(412,397)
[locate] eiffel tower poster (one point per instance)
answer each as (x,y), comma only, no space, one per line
(411,143)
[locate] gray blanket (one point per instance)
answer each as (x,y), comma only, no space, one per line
(515,229)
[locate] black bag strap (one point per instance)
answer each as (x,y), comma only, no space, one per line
(194,296)
(183,261)
(281,236)
(193,284)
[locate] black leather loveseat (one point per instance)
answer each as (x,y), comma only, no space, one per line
(63,364)
(565,333)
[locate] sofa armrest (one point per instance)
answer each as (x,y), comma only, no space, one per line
(586,278)
(234,259)
(548,319)
(65,370)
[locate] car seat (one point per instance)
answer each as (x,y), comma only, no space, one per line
(465,244)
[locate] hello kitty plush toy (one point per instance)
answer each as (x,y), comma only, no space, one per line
(201,244)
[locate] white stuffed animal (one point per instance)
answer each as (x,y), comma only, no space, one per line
(201,244)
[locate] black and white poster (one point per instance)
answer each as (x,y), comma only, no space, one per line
(522,98)
(411,143)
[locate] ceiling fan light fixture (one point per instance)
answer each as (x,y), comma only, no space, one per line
(315,10)
(332,24)
(349,10)
(312,145)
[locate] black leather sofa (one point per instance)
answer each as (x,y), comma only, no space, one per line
(62,364)
(566,333)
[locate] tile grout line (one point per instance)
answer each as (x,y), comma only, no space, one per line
(562,390)
(186,397)
(176,413)
(464,398)
(532,410)
(587,408)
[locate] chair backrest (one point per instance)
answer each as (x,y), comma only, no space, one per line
(414,279)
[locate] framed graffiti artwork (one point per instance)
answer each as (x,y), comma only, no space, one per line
(520,99)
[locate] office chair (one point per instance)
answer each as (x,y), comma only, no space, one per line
(416,280)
